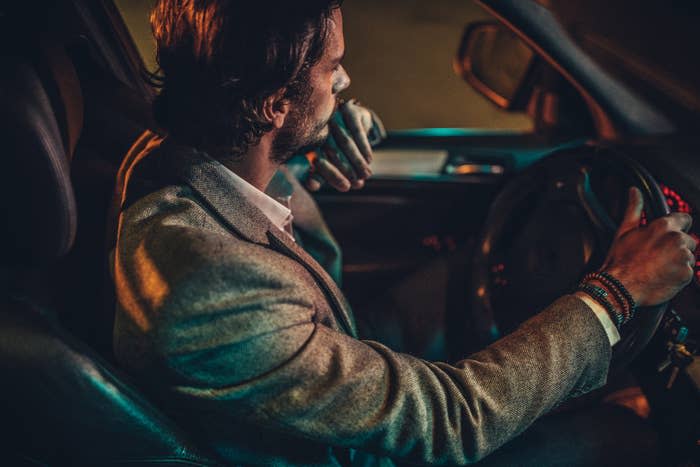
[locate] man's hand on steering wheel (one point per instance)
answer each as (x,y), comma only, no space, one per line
(344,160)
(654,262)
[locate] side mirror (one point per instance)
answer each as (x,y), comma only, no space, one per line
(496,62)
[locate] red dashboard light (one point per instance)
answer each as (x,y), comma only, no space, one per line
(675,202)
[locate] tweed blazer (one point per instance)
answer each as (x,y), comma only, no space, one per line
(245,339)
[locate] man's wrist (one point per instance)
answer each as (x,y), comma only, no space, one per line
(603,317)
(635,289)
(607,290)
(601,295)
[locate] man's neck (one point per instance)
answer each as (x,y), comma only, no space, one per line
(256,165)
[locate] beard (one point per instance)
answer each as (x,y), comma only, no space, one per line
(299,134)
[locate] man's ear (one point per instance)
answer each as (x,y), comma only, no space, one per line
(276,108)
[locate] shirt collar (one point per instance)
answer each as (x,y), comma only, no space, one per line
(280,215)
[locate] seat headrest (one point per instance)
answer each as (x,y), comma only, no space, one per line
(41,118)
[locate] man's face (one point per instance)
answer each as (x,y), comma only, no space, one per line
(306,125)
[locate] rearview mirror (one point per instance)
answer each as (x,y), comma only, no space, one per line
(496,62)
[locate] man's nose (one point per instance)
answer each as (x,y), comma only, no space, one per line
(342,82)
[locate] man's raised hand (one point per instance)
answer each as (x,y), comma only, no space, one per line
(344,160)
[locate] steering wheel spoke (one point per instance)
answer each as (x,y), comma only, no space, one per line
(597,214)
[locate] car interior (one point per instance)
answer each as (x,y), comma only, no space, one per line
(74,97)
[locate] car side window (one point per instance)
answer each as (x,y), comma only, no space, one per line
(135,14)
(399,57)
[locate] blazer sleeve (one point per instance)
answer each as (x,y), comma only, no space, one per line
(235,334)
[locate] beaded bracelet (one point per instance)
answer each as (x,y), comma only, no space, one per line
(621,294)
(600,295)
(619,297)
(622,289)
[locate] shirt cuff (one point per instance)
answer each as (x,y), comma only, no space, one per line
(604,318)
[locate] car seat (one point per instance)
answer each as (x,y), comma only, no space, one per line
(60,403)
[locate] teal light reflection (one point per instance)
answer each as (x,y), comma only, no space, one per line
(452,132)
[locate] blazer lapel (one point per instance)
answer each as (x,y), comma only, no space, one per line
(206,177)
(282,243)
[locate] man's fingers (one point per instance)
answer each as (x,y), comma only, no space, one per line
(358,129)
(333,152)
(377,131)
(679,221)
(690,242)
(347,145)
(687,221)
(346,152)
(633,213)
(314,182)
(332,175)
(674,222)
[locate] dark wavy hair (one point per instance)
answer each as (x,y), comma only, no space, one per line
(220,59)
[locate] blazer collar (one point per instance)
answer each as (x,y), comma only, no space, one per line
(207,178)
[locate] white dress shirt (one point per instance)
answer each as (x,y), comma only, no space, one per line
(604,318)
(276,209)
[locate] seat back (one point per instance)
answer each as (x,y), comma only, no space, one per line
(60,403)
(63,405)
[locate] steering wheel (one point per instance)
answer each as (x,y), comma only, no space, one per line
(547,228)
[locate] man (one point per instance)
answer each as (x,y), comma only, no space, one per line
(245,338)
